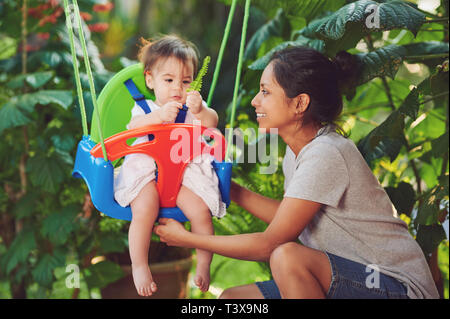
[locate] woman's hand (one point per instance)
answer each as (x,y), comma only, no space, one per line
(171,232)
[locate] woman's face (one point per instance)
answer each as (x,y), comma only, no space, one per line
(273,108)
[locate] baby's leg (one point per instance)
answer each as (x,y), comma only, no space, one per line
(198,213)
(145,208)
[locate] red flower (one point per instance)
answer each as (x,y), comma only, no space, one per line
(43,35)
(86,16)
(99,27)
(103,7)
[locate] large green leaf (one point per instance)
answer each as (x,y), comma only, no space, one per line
(12,115)
(43,271)
(308,9)
(103,273)
(19,250)
(36,80)
(381,62)
(58,226)
(262,62)
(344,28)
(403,197)
(429,237)
(46,172)
(274,28)
(63,98)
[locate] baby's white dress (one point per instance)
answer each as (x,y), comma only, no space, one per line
(139,169)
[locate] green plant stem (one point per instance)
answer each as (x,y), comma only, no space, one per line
(437,20)
(425,57)
(434,97)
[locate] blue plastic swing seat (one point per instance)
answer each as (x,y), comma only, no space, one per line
(98,175)
(114,101)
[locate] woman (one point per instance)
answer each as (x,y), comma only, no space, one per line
(353,243)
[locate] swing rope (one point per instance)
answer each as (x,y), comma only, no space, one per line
(88,71)
(75,69)
(221,51)
(238,76)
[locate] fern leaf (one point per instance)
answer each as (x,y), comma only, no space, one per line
(196,85)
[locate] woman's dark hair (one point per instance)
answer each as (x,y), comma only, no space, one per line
(304,70)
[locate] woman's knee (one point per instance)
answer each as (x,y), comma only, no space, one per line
(285,258)
(250,291)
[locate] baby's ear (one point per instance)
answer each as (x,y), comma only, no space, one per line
(149,80)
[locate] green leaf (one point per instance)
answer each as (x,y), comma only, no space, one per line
(274,28)
(63,142)
(429,237)
(384,140)
(308,9)
(384,61)
(403,197)
(19,250)
(262,62)
(25,206)
(102,274)
(46,172)
(43,271)
(410,106)
(8,47)
(12,115)
(62,98)
(58,226)
(38,79)
(344,28)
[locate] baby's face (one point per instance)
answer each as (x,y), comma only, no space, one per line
(169,79)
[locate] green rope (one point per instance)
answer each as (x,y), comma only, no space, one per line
(221,51)
(75,69)
(238,76)
(90,77)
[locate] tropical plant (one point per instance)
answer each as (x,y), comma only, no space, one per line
(45,227)
(396,110)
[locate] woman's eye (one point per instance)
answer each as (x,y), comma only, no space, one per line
(187,82)
(169,80)
(264,92)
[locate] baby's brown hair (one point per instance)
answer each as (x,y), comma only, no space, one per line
(165,47)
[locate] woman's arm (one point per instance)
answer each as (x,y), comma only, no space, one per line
(256,204)
(291,218)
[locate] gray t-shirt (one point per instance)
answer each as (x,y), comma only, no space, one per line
(357,220)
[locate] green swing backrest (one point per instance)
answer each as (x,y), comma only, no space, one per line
(115,102)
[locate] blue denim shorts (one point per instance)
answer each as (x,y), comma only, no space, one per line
(350,280)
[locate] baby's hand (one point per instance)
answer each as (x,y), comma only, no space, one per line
(194,102)
(169,111)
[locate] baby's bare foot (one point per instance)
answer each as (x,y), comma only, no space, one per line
(143,280)
(201,278)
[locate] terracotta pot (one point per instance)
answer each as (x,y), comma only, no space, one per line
(170,267)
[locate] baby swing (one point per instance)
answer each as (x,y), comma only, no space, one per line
(112,111)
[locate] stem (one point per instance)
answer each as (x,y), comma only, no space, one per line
(445,19)
(426,57)
(434,97)
(391,102)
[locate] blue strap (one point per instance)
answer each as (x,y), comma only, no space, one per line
(140,100)
(137,96)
